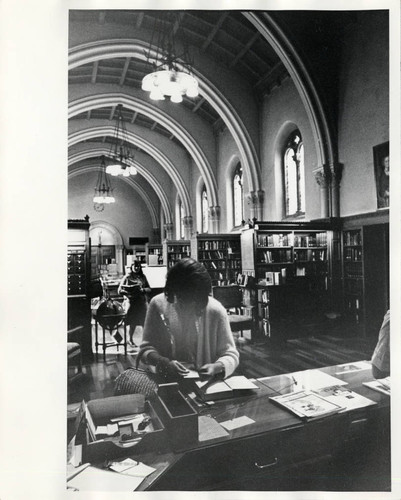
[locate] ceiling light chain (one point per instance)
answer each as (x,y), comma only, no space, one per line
(120,153)
(172,74)
(103,190)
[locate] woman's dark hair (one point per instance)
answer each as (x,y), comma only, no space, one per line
(137,267)
(188,280)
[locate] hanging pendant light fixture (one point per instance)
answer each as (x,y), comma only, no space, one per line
(103,190)
(120,155)
(172,72)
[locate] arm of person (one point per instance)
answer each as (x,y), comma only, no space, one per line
(381,355)
(227,358)
(155,349)
(120,289)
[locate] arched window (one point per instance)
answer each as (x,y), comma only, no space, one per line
(238,198)
(205,211)
(294,176)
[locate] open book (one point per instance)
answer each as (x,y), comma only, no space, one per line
(228,388)
(307,405)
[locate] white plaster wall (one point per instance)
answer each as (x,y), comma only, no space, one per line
(227,154)
(129,214)
(363,117)
(281,110)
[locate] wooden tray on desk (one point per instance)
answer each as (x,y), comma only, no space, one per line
(111,447)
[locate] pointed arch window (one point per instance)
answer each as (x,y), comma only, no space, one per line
(294,175)
(238,196)
(205,211)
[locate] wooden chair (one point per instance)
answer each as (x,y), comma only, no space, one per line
(230,297)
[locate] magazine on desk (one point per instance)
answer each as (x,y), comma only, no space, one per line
(381,385)
(307,405)
(344,397)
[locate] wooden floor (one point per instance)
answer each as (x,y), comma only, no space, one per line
(327,344)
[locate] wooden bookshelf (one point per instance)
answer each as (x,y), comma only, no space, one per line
(175,250)
(365,272)
(353,276)
(154,249)
(292,270)
(220,254)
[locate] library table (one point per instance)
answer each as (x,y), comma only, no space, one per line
(279,451)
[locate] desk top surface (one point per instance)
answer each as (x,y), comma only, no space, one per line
(267,416)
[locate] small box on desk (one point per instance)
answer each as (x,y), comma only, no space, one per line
(115,413)
(178,416)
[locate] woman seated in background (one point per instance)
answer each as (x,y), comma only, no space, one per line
(135,287)
(187,328)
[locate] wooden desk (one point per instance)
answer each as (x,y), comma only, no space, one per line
(281,452)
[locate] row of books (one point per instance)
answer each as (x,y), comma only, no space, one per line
(352,254)
(289,239)
(311,240)
(352,238)
(310,255)
(184,249)
(219,245)
(274,256)
(274,240)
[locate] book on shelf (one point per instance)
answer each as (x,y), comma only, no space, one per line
(381,385)
(237,385)
(307,405)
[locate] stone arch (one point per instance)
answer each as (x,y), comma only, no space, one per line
(117,238)
(104,49)
(93,153)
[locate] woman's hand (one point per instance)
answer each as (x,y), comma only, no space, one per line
(211,370)
(170,369)
(178,368)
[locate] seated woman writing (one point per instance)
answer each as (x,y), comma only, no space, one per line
(187,328)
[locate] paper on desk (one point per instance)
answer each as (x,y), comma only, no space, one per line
(209,428)
(132,468)
(353,367)
(239,382)
(191,374)
(315,379)
(235,423)
(93,479)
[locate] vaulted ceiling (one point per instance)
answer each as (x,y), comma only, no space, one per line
(237,66)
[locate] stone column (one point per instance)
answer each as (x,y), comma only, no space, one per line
(336,170)
(188,226)
(156,235)
(321,178)
(214,219)
(169,227)
(256,200)
(120,259)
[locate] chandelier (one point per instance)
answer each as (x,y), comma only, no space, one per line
(103,190)
(120,154)
(172,72)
